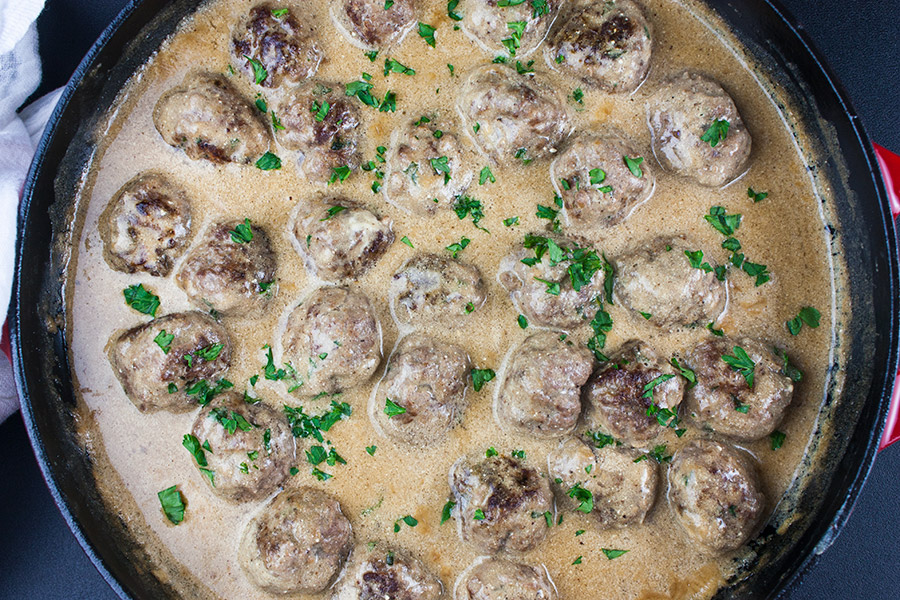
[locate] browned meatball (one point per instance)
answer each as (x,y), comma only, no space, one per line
(333,340)
(544,292)
(146,226)
(606,44)
(487,22)
(622,482)
(373,24)
(501,579)
(231,270)
(424,172)
(430,288)
(284,46)
(512,117)
(340,240)
(723,400)
(423,393)
(697,131)
(657,279)
(379,573)
(541,390)
(715,494)
(160,361)
(501,503)
(617,400)
(297,544)
(322,125)
(597,186)
(251,448)
(209,119)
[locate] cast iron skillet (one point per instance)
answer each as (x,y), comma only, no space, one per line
(846,161)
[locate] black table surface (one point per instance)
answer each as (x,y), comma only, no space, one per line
(40,558)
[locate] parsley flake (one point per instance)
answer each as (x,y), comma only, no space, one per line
(141,299)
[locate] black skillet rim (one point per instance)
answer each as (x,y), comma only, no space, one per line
(880,198)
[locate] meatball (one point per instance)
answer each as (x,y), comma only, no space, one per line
(322,125)
(715,494)
(433,288)
(276,40)
(723,399)
(617,400)
(697,132)
(657,279)
(622,482)
(146,226)
(501,579)
(250,447)
(424,172)
(515,29)
(423,393)
(340,240)
(501,503)
(605,44)
(297,544)
(597,186)
(545,291)
(373,24)
(512,117)
(333,340)
(387,573)
(541,390)
(160,361)
(232,269)
(209,119)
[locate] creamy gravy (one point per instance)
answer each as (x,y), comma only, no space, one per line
(786,232)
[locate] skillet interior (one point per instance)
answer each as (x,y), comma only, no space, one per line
(837,465)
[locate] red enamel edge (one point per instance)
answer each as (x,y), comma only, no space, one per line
(890,171)
(4,342)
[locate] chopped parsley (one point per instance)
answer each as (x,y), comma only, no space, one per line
(455,248)
(686,372)
(478,515)
(242,233)
(372,55)
(583,497)
(651,386)
(408,519)
(172,504)
(320,110)
(268,162)
(552,286)
(204,393)
(440,165)
(583,262)
(695,258)
(279,13)
(261,104)
(761,272)
(231,420)
(808,315)
(518,454)
(777,439)
(333,211)
(451,10)
(578,95)
(713,330)
(716,133)
(340,174)
(524,69)
(722,222)
(481,377)
(426,32)
(742,363)
(447,511)
(646,315)
(259,71)
(305,426)
(406,241)
(394,66)
(321,475)
(491,452)
(601,324)
(602,440)
(512,43)
(787,369)
(466,205)
(634,165)
(522,321)
(486,175)
(389,104)
(392,409)
(370,450)
(611,554)
(756,196)
(141,299)
(164,340)
(192,444)
(511,221)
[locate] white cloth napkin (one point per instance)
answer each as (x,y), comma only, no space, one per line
(20,74)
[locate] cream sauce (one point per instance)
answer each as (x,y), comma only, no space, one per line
(785,232)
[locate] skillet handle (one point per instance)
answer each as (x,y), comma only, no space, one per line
(890,171)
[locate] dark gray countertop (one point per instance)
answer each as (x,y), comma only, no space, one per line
(40,558)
